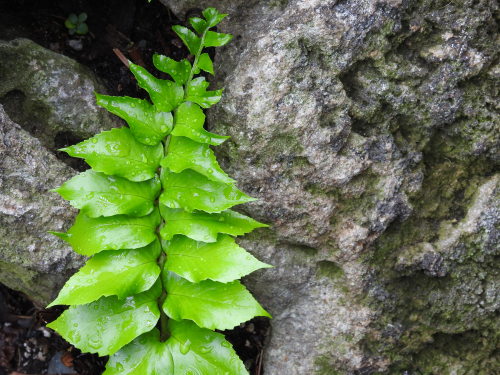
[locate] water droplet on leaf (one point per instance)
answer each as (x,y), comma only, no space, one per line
(185,346)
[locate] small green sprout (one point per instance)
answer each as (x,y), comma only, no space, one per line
(76,24)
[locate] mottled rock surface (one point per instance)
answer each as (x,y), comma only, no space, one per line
(31,260)
(369,131)
(46,100)
(49,95)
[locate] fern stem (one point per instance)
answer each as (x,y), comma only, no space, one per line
(164,333)
(195,62)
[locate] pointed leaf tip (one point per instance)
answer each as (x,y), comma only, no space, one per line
(210,304)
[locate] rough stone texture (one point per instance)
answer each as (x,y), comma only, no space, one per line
(369,130)
(49,95)
(47,101)
(31,260)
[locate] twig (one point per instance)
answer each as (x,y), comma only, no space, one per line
(259,363)
(121,56)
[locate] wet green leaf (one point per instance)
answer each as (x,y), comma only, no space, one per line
(202,226)
(209,304)
(89,236)
(205,63)
(148,125)
(189,38)
(197,93)
(178,70)
(190,350)
(183,153)
(222,261)
(193,191)
(200,351)
(213,17)
(135,269)
(146,355)
(189,119)
(213,39)
(165,95)
(97,194)
(116,152)
(199,24)
(104,326)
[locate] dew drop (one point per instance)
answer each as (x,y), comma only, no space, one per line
(185,346)
(212,199)
(95,342)
(119,367)
(205,349)
(94,140)
(132,105)
(226,344)
(210,170)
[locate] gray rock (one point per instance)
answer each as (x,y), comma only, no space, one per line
(45,97)
(369,131)
(49,95)
(32,260)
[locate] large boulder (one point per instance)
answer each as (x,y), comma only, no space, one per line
(50,95)
(46,100)
(369,131)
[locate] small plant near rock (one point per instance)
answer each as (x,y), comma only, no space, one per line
(76,24)
(155,218)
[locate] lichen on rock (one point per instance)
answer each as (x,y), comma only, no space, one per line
(369,131)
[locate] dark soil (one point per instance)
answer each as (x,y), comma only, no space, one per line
(137,29)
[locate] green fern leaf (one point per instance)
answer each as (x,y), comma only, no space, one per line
(193,191)
(146,124)
(89,236)
(189,119)
(146,355)
(192,42)
(208,303)
(97,194)
(118,322)
(159,178)
(116,152)
(166,95)
(178,70)
(205,63)
(135,269)
(202,226)
(183,153)
(189,350)
(197,348)
(213,17)
(199,24)
(222,261)
(213,39)
(197,93)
